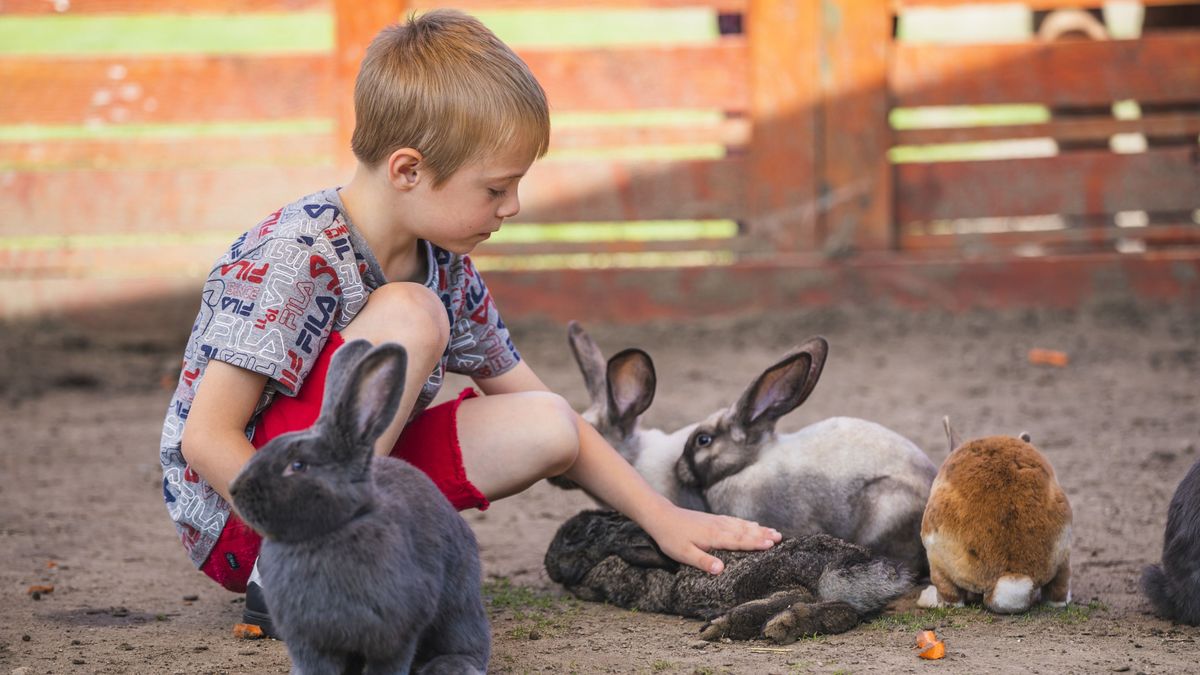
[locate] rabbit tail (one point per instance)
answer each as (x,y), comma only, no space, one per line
(1171,600)
(867,587)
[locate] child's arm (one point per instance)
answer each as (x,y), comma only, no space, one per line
(214,440)
(684,535)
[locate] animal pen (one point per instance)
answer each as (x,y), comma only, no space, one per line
(787,158)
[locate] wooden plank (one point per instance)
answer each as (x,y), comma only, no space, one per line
(1058,73)
(900,5)
(708,76)
(73,7)
(136,200)
(855,39)
(355,24)
(730,6)
(729,132)
(1082,183)
(1068,130)
(116,90)
(742,289)
(610,247)
(1072,239)
(573,191)
(131,200)
(782,185)
(160,153)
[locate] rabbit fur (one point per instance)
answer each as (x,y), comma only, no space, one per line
(364,562)
(847,477)
(801,586)
(997,527)
(1174,586)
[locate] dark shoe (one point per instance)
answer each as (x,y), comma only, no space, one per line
(255,612)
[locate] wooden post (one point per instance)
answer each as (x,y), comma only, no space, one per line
(856,180)
(784,43)
(356,23)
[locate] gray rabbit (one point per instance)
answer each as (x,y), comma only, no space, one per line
(801,586)
(1174,586)
(364,563)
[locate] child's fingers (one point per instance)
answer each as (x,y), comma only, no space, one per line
(742,535)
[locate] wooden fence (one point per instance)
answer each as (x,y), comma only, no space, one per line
(801,95)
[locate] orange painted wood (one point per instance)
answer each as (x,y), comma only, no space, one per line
(711,76)
(1093,182)
(136,200)
(855,39)
(11,7)
(176,153)
(783,161)
(1161,68)
(1073,130)
(355,24)
(566,191)
(1073,239)
(488,5)
(898,5)
(730,132)
(130,200)
(113,90)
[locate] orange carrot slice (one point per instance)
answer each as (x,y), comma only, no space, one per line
(247,631)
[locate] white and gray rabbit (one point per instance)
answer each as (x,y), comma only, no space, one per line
(621,389)
(801,586)
(843,476)
(365,564)
(1174,586)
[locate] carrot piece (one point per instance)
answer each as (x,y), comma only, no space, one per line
(936,650)
(1048,357)
(37,588)
(926,638)
(247,631)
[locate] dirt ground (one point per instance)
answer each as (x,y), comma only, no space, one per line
(81,406)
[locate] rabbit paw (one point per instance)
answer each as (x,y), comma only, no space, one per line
(715,630)
(929,599)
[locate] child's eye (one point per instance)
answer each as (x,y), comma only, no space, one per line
(496,194)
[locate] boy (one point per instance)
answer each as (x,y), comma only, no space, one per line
(448,120)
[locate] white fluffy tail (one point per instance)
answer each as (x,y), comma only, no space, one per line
(1011,594)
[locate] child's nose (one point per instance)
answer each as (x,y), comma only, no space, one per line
(510,207)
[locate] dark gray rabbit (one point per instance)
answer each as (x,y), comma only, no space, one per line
(1174,586)
(802,586)
(364,563)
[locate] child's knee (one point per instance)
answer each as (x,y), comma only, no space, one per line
(406,312)
(558,430)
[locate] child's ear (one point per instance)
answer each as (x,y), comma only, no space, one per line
(404,168)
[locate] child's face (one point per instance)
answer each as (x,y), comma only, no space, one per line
(466,209)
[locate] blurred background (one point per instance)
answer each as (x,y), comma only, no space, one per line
(707,157)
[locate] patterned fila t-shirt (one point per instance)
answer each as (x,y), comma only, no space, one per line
(269,305)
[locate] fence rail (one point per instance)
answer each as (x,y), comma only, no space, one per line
(783,122)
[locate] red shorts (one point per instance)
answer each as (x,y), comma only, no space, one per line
(429,442)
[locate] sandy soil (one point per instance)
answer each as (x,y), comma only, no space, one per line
(80,501)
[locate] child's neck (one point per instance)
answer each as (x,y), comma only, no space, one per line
(370,208)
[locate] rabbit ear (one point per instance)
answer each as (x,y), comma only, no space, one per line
(362,406)
(631,385)
(951,435)
(782,387)
(590,360)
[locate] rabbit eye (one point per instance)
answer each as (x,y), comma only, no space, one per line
(703,440)
(298,466)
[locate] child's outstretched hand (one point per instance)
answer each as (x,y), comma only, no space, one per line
(687,536)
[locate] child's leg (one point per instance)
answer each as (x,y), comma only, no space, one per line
(511,441)
(412,315)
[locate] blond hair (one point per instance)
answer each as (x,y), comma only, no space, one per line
(446,86)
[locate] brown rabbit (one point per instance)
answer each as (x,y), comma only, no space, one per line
(997,527)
